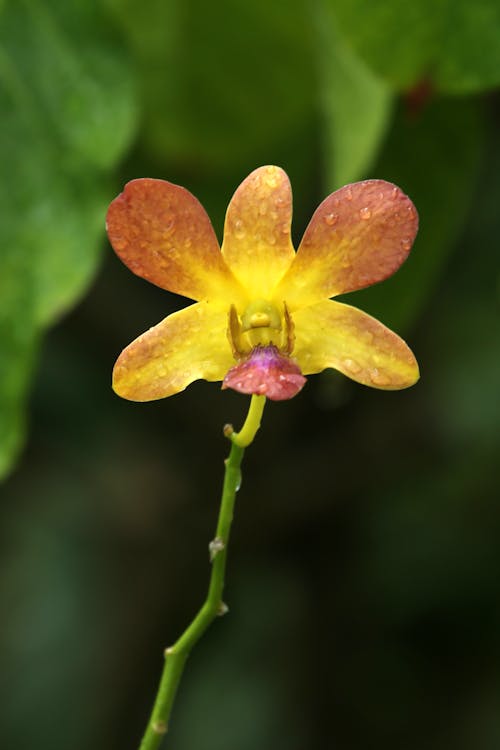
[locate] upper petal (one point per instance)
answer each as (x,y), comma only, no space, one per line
(331,334)
(257,243)
(162,233)
(188,345)
(359,235)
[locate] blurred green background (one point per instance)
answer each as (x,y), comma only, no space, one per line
(364,570)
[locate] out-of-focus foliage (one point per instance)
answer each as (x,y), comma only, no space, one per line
(453,45)
(435,157)
(220,81)
(362,585)
(219,88)
(67,112)
(357,105)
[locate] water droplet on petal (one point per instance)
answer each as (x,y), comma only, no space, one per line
(352,366)
(365,213)
(239,232)
(271,177)
(331,219)
(348,194)
(378,378)
(406,244)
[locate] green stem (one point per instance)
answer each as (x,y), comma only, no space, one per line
(176,655)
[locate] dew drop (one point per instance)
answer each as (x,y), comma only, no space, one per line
(406,244)
(365,213)
(239,232)
(331,219)
(238,481)
(271,177)
(352,366)
(348,194)
(378,378)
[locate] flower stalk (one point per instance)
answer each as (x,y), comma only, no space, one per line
(213,606)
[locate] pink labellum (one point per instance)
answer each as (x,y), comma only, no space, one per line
(266,372)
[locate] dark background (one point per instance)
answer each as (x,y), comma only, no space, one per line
(364,564)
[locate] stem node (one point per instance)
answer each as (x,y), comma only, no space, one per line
(159,727)
(222,609)
(215,546)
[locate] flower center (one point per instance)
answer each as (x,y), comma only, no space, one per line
(262,342)
(260,324)
(261,314)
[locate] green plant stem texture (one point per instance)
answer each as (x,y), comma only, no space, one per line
(176,655)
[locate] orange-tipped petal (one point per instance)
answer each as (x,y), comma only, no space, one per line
(331,334)
(257,244)
(188,345)
(162,233)
(358,236)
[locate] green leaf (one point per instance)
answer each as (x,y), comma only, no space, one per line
(66,116)
(18,339)
(435,159)
(222,82)
(357,106)
(79,76)
(455,45)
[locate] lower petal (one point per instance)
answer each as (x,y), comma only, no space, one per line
(266,372)
(331,334)
(188,345)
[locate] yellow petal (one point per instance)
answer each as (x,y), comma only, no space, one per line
(257,244)
(188,345)
(331,334)
(162,233)
(358,236)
